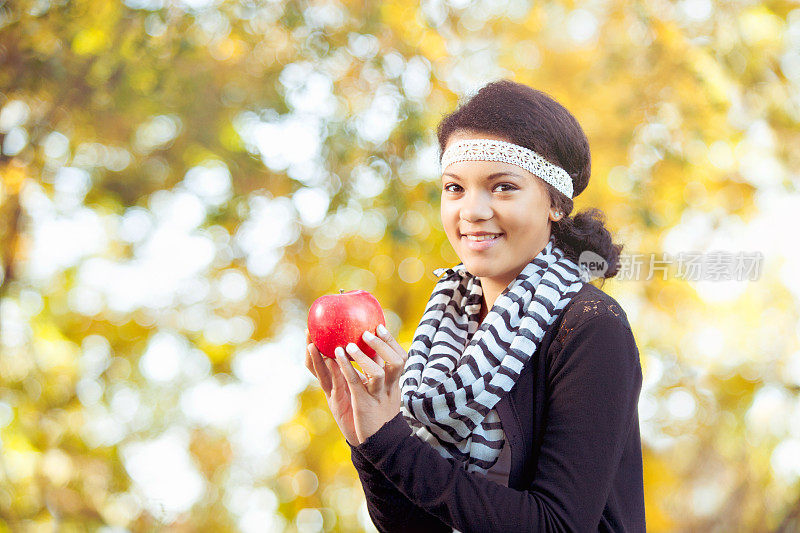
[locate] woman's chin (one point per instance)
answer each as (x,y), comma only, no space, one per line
(479,268)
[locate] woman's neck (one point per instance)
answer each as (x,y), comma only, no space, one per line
(490,295)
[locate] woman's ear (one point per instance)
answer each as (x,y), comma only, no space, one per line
(555,215)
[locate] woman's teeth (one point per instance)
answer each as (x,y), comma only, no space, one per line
(482,237)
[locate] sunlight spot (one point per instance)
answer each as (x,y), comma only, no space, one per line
(423,166)
(100,428)
(648,407)
(257,508)
(198,4)
(59,241)
(308,90)
(213,403)
(309,520)
(291,143)
(15,113)
(15,141)
(232,285)
(696,10)
(706,497)
(376,123)
(164,473)
(14,328)
(373,226)
(709,341)
(411,269)
(124,403)
(270,225)
(367,182)
(311,204)
(305,483)
(210,181)
(135,224)
(269,396)
(785,460)
(163,357)
(329,14)
(6,414)
(766,413)
(156,132)
(176,211)
(417,78)
(582,26)
(792,369)
(362,46)
(681,404)
(71,185)
(56,145)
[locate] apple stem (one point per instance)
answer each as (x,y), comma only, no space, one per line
(341,291)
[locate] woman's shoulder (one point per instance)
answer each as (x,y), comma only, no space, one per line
(588,304)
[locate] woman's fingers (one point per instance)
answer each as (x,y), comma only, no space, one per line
(336,377)
(309,359)
(314,363)
(347,369)
(385,352)
(392,353)
(386,337)
(309,362)
(337,374)
(320,370)
(355,379)
(372,368)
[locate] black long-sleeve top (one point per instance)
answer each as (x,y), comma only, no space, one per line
(571,421)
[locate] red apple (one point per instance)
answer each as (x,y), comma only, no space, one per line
(338,319)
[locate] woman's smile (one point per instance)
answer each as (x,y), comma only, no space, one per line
(481,242)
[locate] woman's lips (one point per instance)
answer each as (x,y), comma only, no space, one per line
(480,246)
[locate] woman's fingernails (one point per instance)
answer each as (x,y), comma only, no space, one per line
(368,336)
(338,352)
(382,330)
(351,348)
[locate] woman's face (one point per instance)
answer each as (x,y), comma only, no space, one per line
(494,197)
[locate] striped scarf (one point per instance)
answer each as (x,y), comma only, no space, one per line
(456,373)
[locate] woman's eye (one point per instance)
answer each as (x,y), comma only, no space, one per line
(508,186)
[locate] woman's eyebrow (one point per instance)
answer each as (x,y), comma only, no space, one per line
(489,177)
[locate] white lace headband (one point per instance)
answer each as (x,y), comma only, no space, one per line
(492,150)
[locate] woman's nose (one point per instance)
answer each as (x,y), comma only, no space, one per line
(476,206)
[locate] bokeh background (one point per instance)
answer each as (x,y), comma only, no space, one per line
(181,179)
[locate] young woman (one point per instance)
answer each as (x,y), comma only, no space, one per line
(515,408)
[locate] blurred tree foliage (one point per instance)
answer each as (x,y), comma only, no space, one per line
(187,177)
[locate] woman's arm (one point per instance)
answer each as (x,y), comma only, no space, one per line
(595,380)
(389,509)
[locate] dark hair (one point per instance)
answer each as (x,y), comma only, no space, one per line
(530,118)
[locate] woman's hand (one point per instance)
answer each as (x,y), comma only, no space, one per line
(335,388)
(376,399)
